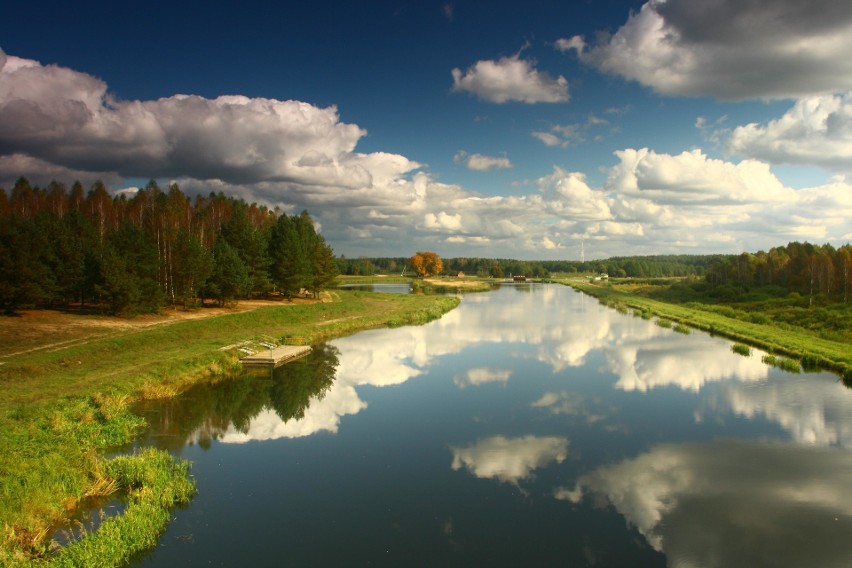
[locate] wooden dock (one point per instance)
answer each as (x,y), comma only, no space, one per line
(276,356)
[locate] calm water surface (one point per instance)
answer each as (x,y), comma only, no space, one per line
(529,427)
(392,288)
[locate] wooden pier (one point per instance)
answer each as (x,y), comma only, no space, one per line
(277,356)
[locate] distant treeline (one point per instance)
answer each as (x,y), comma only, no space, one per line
(815,271)
(141,252)
(634,267)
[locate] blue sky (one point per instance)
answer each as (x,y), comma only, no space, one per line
(493,129)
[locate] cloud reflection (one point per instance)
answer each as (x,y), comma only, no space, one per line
(481,376)
(553,324)
(733,503)
(509,459)
(571,404)
(687,362)
(321,416)
(814,411)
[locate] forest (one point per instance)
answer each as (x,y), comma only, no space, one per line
(815,272)
(818,272)
(633,267)
(139,253)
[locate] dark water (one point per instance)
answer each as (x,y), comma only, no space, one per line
(529,427)
(393,288)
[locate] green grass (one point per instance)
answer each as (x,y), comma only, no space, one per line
(153,483)
(821,337)
(784,363)
(62,409)
(741,349)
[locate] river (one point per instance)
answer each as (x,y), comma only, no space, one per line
(531,426)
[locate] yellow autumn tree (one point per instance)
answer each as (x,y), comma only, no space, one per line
(426,263)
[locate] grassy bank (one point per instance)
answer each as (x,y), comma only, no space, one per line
(749,325)
(64,406)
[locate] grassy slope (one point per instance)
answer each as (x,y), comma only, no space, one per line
(61,408)
(833,353)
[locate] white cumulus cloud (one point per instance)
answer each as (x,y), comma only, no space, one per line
(510,79)
(816,130)
(730,49)
(66,117)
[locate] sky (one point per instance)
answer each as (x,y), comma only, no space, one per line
(536,130)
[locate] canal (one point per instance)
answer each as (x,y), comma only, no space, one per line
(531,426)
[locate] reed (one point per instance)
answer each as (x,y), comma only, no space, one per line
(784,363)
(682,329)
(741,349)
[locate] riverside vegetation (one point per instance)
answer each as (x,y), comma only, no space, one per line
(65,405)
(795,333)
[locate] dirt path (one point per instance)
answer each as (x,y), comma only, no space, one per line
(63,330)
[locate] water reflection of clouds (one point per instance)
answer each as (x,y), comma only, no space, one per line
(321,416)
(687,362)
(481,376)
(509,459)
(571,404)
(814,410)
(734,503)
(642,355)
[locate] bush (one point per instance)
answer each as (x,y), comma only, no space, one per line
(759,318)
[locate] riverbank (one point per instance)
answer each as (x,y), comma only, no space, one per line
(800,344)
(67,385)
(449,284)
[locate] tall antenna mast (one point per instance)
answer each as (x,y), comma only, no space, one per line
(583,249)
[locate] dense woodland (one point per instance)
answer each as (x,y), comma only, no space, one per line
(138,253)
(816,271)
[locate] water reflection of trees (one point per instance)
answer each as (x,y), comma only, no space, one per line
(207,411)
(296,385)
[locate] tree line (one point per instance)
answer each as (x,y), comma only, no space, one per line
(633,267)
(819,272)
(138,253)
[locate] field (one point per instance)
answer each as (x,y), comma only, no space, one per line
(67,383)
